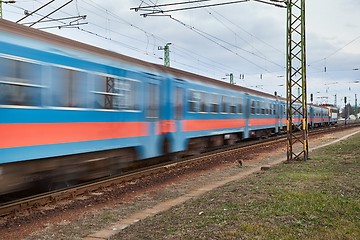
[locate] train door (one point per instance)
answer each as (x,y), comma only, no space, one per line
(277,118)
(311,116)
(172,114)
(282,115)
(247,115)
(178,108)
(152,91)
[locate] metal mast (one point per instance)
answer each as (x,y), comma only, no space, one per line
(356,110)
(166,49)
(297,121)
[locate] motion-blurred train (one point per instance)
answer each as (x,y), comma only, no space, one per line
(70,111)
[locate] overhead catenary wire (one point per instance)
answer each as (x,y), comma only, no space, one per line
(189,8)
(275,3)
(211,38)
(219,65)
(188,54)
(260,54)
(337,50)
(118,19)
(165,5)
(247,32)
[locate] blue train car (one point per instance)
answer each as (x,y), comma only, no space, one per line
(208,113)
(70,111)
(60,98)
(318,116)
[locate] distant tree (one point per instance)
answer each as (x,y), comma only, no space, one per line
(347,111)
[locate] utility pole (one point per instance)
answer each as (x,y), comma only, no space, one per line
(231,78)
(1,2)
(296,78)
(356,107)
(345,109)
(166,49)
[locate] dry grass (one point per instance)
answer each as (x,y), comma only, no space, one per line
(317,199)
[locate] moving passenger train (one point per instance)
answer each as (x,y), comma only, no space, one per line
(70,111)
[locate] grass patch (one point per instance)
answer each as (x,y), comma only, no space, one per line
(317,199)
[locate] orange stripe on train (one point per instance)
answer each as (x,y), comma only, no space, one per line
(198,125)
(29,134)
(261,121)
(165,126)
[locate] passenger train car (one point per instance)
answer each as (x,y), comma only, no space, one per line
(70,111)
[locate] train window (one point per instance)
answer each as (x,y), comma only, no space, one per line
(270,108)
(232,105)
(274,109)
(179,103)
(267,111)
(153,101)
(20,83)
(263,106)
(126,98)
(194,100)
(258,109)
(68,88)
(116,93)
(214,106)
(203,101)
(105,92)
(253,107)
(223,104)
(240,105)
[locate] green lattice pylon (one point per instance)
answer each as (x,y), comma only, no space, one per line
(297,122)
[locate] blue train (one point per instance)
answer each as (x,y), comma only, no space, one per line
(70,111)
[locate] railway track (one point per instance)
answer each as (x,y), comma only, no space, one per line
(229,153)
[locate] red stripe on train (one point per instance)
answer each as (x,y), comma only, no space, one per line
(29,134)
(198,125)
(261,121)
(165,126)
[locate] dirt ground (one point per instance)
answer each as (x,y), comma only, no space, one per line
(80,223)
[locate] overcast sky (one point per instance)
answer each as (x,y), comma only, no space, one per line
(244,39)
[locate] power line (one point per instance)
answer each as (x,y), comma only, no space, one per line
(337,50)
(153,13)
(250,34)
(187,54)
(165,5)
(175,46)
(209,37)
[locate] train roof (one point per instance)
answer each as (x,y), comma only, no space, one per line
(72,44)
(321,105)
